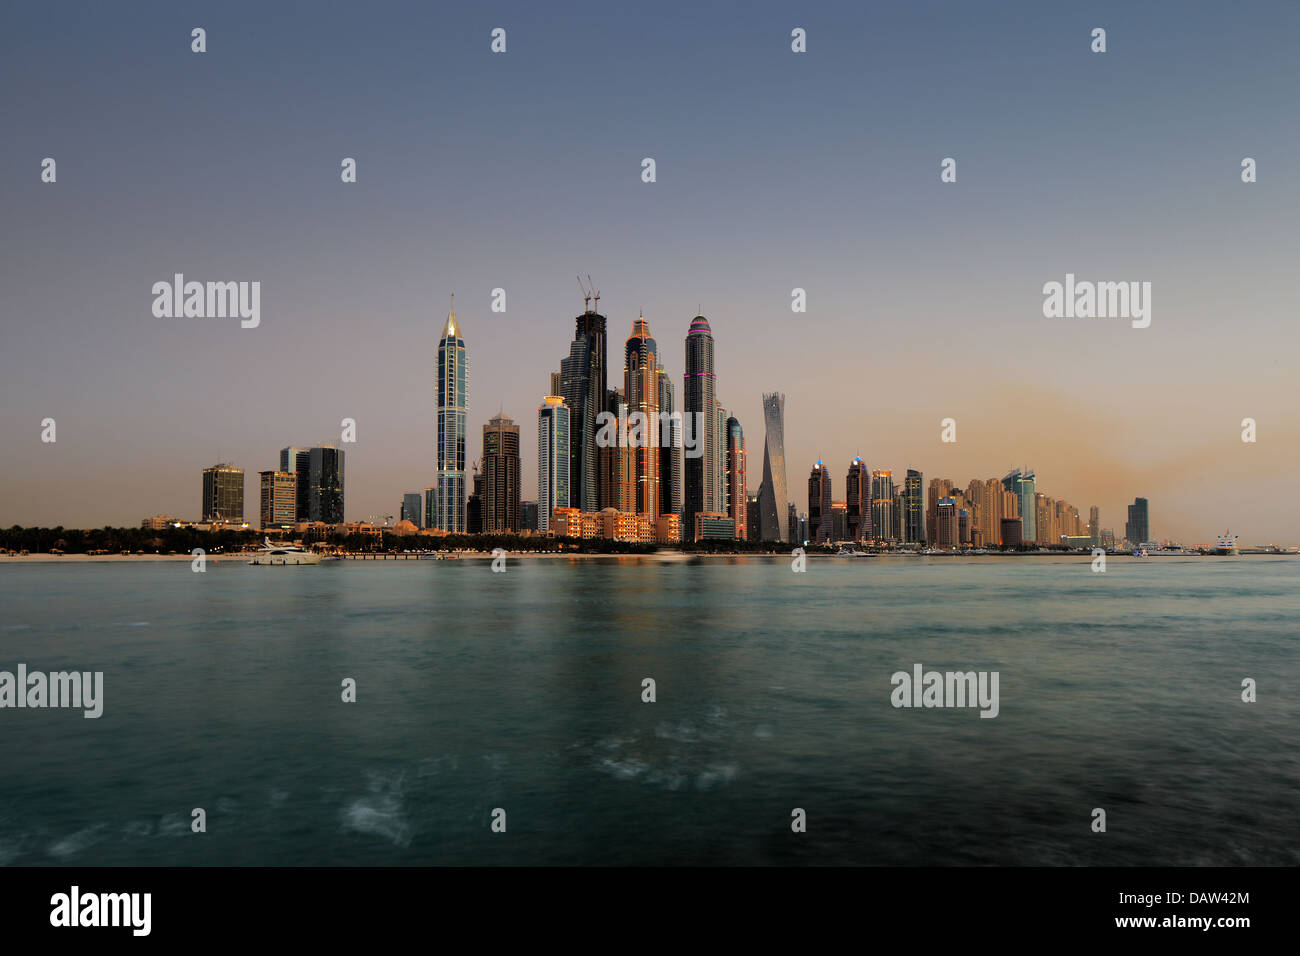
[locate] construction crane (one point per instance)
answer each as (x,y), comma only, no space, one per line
(590,295)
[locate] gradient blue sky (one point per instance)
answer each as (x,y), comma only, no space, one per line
(775,170)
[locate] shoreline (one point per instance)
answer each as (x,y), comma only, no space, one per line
(656,556)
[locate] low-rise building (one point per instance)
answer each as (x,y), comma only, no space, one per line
(711,526)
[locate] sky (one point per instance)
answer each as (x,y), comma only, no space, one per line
(775,170)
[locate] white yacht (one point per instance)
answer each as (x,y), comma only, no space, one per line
(270,553)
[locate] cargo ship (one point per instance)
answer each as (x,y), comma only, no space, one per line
(1227,544)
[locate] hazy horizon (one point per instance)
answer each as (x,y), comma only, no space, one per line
(775,170)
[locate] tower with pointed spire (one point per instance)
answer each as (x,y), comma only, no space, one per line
(451,396)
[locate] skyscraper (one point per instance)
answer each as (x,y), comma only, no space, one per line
(753,519)
(857,501)
(297,461)
(991,507)
(474,504)
(583,377)
(223,493)
(411,510)
(737,493)
(1138,527)
(279,499)
(946,530)
(701,409)
(325,485)
(774,504)
(914,508)
(553,459)
(1094,526)
(883,519)
(501,476)
(720,474)
(1046,526)
(641,391)
(980,500)
(820,526)
(452,397)
(1012,533)
(1021,484)
(614,463)
(939,489)
(670,449)
(840,522)
(1026,497)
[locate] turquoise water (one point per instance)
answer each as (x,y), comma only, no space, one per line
(522,691)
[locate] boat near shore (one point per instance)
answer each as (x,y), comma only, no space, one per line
(1149,549)
(270,553)
(1227,544)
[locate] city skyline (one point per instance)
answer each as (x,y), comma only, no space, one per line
(891,513)
(924,298)
(644,376)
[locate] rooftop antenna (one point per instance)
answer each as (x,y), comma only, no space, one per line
(586,296)
(595,293)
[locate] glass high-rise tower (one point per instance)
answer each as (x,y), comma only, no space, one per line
(773,503)
(670,449)
(297,461)
(412,508)
(913,508)
(704,483)
(819,504)
(1021,484)
(1138,527)
(325,484)
(737,492)
(585,389)
(857,501)
(552,460)
(452,397)
(883,519)
(223,493)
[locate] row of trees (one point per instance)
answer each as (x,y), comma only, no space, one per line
(185,540)
(114,540)
(389,542)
